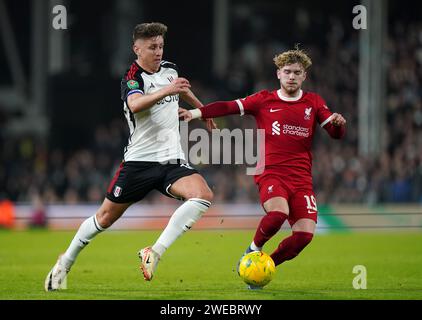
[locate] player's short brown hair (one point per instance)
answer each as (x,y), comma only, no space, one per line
(149,30)
(293,56)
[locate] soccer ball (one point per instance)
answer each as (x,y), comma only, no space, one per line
(257,268)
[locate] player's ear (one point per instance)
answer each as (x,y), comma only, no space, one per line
(278,73)
(135,49)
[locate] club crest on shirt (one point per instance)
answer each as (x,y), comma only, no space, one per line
(117,191)
(308,113)
(275,128)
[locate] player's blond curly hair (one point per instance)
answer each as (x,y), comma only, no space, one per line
(293,56)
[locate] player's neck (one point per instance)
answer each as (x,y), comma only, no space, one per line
(283,95)
(145,66)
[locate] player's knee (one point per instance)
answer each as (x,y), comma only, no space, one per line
(105,218)
(205,194)
(278,205)
(276,219)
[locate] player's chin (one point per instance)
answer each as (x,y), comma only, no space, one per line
(292,89)
(156,64)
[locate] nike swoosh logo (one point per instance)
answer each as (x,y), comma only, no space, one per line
(275,110)
(147,260)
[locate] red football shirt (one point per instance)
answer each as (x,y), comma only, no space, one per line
(289,125)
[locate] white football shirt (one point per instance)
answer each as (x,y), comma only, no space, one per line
(154,132)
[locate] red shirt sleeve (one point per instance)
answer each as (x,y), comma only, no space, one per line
(252,103)
(219,109)
(324,116)
(248,105)
(323,112)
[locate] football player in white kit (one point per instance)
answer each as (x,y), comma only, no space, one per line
(153,158)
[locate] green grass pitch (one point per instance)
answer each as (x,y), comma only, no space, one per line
(201,266)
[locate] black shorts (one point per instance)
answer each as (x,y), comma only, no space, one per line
(135,179)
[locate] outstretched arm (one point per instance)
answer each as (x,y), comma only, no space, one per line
(212,110)
(190,98)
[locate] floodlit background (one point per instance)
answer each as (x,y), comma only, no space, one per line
(62,129)
(62,135)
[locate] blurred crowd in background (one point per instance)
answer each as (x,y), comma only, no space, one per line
(33,170)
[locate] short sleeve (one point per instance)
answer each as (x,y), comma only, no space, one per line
(252,103)
(131,85)
(323,112)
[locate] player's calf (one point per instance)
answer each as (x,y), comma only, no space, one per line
(267,228)
(269,225)
(290,247)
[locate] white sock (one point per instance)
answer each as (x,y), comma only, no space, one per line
(254,247)
(181,221)
(87,231)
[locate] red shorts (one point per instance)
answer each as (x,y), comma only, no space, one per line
(301,200)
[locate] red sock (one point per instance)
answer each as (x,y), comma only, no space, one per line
(269,226)
(291,246)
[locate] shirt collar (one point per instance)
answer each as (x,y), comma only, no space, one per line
(290,99)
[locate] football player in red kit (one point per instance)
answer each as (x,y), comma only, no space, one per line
(289,117)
